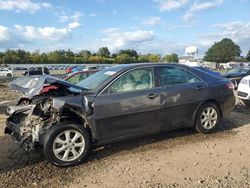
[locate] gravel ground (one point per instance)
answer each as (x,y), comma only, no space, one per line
(181,158)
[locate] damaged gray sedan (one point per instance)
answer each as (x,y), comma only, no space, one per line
(118,103)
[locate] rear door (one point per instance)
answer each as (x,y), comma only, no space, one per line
(183,92)
(129,106)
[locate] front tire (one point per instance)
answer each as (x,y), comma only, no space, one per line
(67,144)
(208,118)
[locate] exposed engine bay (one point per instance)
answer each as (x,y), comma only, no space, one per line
(30,119)
(27,122)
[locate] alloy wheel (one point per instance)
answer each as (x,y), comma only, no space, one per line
(208,118)
(68,145)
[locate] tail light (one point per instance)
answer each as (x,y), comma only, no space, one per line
(230,85)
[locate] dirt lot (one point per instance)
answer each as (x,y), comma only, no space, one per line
(181,158)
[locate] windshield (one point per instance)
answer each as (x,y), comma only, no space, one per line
(98,78)
(239,70)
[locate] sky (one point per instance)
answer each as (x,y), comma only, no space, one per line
(149,26)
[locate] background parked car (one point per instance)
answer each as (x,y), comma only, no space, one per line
(208,71)
(69,69)
(244,90)
(5,72)
(36,71)
(236,74)
(20,68)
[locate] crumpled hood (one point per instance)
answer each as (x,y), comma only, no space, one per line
(32,85)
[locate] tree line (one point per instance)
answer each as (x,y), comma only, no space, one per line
(220,52)
(102,56)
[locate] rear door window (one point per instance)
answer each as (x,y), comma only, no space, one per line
(171,75)
(168,75)
(191,78)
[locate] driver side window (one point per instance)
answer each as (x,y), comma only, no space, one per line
(134,80)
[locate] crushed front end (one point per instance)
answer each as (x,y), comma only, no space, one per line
(28,123)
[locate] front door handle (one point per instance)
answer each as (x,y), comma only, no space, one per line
(200,87)
(152,96)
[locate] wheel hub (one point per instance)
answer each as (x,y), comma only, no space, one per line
(209,118)
(68,145)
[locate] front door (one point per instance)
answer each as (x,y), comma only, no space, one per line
(129,106)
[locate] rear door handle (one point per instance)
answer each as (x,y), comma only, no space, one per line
(152,96)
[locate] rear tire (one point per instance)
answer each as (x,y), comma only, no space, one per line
(67,144)
(9,75)
(208,117)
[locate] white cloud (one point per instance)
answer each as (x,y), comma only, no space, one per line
(152,21)
(46,5)
(74,25)
(115,38)
(8,39)
(75,17)
(4,34)
(23,5)
(238,31)
(169,5)
(64,18)
(43,33)
(201,6)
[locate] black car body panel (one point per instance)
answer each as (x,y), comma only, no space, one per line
(112,116)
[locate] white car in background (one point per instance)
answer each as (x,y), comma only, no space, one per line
(244,90)
(5,72)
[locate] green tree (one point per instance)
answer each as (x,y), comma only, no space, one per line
(172,58)
(222,52)
(23,56)
(154,57)
(143,58)
(85,53)
(103,52)
(1,57)
(129,52)
(248,56)
(10,57)
(35,58)
(125,59)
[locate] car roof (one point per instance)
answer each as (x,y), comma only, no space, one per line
(135,65)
